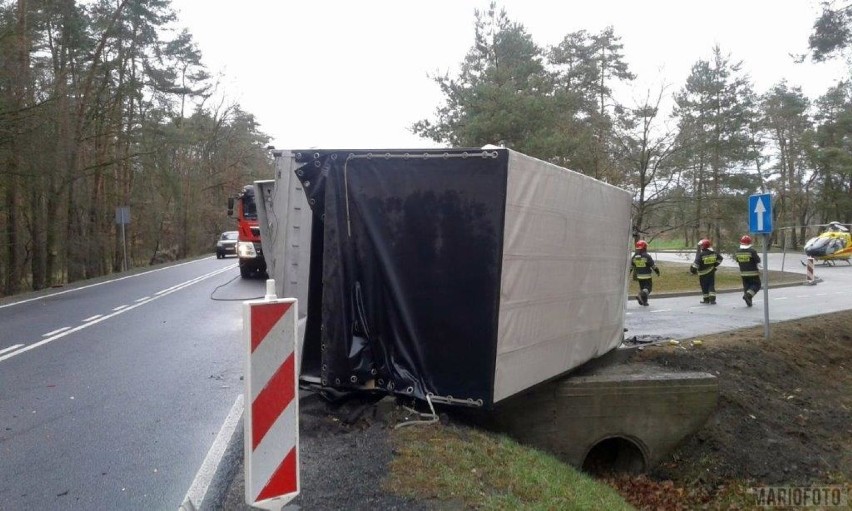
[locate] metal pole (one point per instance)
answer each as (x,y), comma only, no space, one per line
(124,245)
(766,286)
(784,257)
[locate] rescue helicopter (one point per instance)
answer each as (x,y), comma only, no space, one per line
(833,244)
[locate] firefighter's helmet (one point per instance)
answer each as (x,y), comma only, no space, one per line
(641,245)
(704,244)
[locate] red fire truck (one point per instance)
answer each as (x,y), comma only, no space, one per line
(249,249)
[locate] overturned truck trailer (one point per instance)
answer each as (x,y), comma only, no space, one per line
(465,275)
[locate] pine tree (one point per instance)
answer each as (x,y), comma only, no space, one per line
(714,110)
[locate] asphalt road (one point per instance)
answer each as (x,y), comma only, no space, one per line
(684,317)
(111,394)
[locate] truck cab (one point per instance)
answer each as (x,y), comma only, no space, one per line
(249,249)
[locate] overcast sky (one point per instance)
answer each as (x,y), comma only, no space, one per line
(353,74)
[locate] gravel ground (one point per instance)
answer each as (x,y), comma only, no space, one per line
(344,453)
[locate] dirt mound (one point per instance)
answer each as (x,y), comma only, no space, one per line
(785,405)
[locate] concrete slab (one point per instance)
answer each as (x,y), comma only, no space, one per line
(634,414)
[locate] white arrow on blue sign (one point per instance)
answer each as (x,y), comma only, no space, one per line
(760,213)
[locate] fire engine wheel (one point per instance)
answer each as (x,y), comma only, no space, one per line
(245,272)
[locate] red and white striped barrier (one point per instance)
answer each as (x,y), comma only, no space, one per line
(272,408)
(810,272)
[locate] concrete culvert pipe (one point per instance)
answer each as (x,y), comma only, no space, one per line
(614,455)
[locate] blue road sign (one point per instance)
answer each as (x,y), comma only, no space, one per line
(760,213)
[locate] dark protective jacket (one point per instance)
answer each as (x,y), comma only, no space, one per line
(748,260)
(641,264)
(706,261)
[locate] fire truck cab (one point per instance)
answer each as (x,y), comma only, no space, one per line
(249,250)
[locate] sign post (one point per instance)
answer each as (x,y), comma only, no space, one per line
(760,222)
(122,218)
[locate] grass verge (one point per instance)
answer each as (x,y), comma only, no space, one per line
(661,244)
(471,469)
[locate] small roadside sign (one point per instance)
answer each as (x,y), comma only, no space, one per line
(760,213)
(122,215)
(760,222)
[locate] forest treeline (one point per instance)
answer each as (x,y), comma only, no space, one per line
(691,153)
(106,104)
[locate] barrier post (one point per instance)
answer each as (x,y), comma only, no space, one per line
(810,272)
(272,402)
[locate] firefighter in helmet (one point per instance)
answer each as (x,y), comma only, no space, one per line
(705,264)
(641,265)
(748,260)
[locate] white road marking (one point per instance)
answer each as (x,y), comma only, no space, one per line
(58,330)
(100,283)
(10,348)
(164,290)
(120,307)
(821,294)
(781,298)
(142,299)
(661,310)
(92,318)
(65,330)
(801,296)
(201,483)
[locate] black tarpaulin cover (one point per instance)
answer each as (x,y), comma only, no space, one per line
(410,270)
